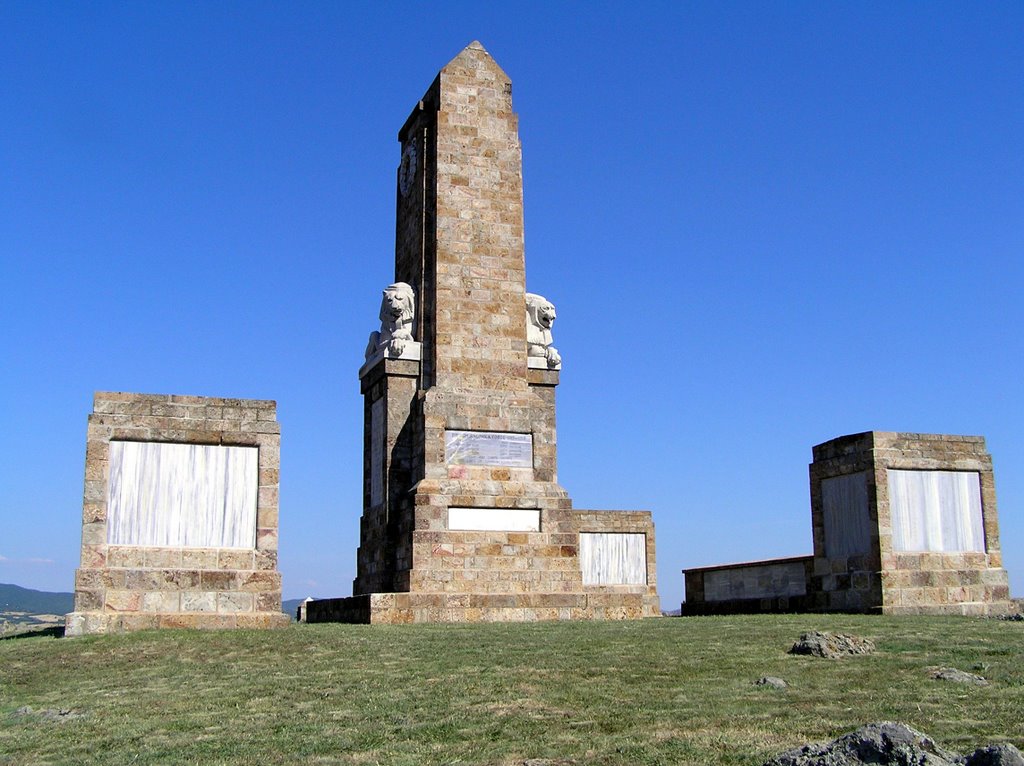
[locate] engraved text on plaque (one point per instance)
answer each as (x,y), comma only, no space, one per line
(488,448)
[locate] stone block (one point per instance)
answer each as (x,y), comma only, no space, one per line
(129,587)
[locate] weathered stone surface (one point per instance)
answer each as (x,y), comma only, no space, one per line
(53,715)
(959,677)
(772,681)
(893,744)
(995,755)
(885,743)
(831,645)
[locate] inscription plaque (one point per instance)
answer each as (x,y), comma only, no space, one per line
(182,495)
(377,452)
(494,519)
(488,448)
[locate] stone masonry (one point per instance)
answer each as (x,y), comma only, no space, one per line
(857,565)
(905,582)
(134,587)
(459,245)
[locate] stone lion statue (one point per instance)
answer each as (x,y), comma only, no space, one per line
(397,309)
(540,315)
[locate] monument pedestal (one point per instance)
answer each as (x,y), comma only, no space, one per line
(399,608)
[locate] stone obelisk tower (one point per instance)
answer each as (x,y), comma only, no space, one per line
(463,518)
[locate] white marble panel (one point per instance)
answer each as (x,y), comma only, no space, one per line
(494,519)
(844,501)
(488,448)
(613,558)
(377,436)
(182,495)
(936,511)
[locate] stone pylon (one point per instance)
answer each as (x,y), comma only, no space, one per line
(463,516)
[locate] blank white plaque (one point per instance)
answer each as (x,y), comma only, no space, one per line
(494,519)
(182,495)
(936,511)
(612,558)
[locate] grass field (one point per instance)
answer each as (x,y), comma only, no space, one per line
(664,691)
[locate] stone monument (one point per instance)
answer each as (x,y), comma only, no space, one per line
(903,523)
(906,523)
(463,517)
(179,518)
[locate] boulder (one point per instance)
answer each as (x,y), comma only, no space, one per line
(831,645)
(995,755)
(885,743)
(958,677)
(888,743)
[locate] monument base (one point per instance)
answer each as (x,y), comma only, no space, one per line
(402,608)
(81,623)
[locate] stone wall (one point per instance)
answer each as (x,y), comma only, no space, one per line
(139,586)
(774,585)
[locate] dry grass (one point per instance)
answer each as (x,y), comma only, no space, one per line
(675,690)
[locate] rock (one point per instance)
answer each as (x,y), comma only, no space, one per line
(885,743)
(996,755)
(776,683)
(958,677)
(57,714)
(831,645)
(1014,617)
(60,715)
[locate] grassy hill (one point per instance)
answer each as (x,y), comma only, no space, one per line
(671,690)
(14,598)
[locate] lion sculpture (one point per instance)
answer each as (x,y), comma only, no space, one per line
(397,308)
(540,315)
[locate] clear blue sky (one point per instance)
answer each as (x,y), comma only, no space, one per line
(764,225)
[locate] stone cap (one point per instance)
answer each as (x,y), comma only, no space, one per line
(745,564)
(867,440)
(125,396)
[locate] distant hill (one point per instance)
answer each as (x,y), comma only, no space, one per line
(290,606)
(14,598)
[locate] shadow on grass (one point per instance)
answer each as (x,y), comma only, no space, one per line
(56,631)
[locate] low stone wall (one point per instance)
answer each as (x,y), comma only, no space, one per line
(773,585)
(400,608)
(121,587)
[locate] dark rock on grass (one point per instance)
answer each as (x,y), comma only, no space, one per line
(886,743)
(831,645)
(772,681)
(892,744)
(996,755)
(958,677)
